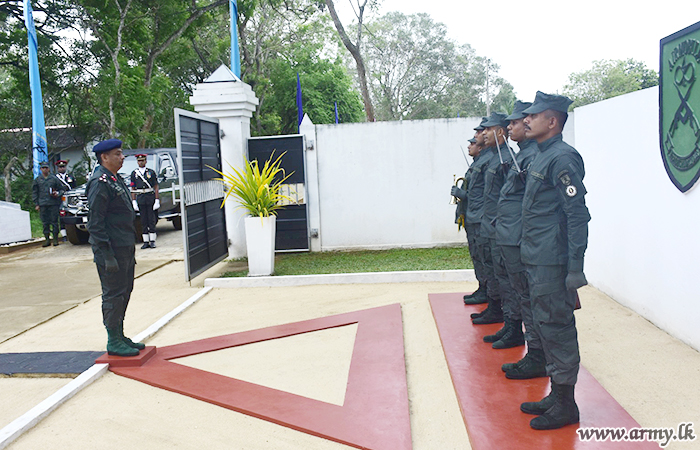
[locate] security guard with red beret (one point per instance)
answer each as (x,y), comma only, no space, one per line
(112,235)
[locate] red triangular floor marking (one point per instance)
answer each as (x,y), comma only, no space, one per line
(375,414)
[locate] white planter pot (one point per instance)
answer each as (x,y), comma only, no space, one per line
(260,245)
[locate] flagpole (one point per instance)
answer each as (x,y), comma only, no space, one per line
(235,54)
(300,108)
(39,147)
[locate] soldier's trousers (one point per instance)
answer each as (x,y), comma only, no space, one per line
(510,301)
(49,218)
(116,286)
(493,290)
(472,230)
(148,216)
(522,309)
(554,322)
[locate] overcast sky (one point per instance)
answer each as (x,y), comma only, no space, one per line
(538,44)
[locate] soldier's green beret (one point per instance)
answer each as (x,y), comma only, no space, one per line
(544,102)
(497,119)
(105,146)
(518,110)
(481,125)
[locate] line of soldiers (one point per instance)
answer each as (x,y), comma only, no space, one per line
(527,230)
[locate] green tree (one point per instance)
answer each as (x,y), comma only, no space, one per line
(607,79)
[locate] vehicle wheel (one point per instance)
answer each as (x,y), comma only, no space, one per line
(75,235)
(177,222)
(139,230)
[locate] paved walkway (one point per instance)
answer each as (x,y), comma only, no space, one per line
(652,375)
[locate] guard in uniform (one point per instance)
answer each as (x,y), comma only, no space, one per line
(68,181)
(145,199)
(494,176)
(554,240)
(46,193)
(112,235)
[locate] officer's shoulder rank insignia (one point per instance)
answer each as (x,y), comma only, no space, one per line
(571,191)
(103,178)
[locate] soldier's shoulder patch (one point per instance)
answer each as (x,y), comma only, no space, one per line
(571,191)
(565,179)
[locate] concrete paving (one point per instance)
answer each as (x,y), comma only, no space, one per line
(652,375)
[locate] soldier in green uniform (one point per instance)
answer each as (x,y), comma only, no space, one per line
(554,240)
(475,210)
(494,176)
(46,193)
(112,235)
(508,236)
(68,180)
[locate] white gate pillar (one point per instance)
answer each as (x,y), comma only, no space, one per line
(225,97)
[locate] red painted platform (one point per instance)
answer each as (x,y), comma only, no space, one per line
(375,414)
(490,402)
(127,361)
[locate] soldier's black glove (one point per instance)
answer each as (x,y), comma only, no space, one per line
(459,193)
(111,264)
(575,280)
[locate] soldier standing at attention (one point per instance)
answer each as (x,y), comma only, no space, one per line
(555,237)
(67,180)
(46,193)
(112,235)
(145,199)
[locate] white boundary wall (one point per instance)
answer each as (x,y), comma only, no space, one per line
(644,237)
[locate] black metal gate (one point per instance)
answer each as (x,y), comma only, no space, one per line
(292,219)
(203,219)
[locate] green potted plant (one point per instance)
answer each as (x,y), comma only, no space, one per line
(258,192)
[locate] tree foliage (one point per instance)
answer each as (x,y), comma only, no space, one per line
(607,79)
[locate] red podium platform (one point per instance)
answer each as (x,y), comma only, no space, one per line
(490,402)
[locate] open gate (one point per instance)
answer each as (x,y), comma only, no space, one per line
(203,219)
(293,219)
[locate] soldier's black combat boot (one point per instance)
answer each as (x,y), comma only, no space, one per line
(498,335)
(153,244)
(55,239)
(129,342)
(493,314)
(541,407)
(116,346)
(513,337)
(533,365)
(146,243)
(477,297)
(563,412)
(479,314)
(47,242)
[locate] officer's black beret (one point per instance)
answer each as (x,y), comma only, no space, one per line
(496,119)
(472,140)
(544,102)
(105,146)
(518,110)
(481,125)
(44,164)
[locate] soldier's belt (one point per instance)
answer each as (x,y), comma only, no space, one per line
(143,191)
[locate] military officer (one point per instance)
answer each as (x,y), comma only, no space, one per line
(494,176)
(478,296)
(46,193)
(67,180)
(145,199)
(555,237)
(112,235)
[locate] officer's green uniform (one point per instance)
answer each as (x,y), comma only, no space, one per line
(555,236)
(112,235)
(48,204)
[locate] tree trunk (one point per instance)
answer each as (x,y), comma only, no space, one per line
(355,52)
(8,178)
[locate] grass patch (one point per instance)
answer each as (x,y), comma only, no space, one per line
(443,258)
(35,224)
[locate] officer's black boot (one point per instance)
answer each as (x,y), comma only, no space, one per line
(541,407)
(498,335)
(481,313)
(55,238)
(533,365)
(513,337)
(494,314)
(47,242)
(129,342)
(477,297)
(116,346)
(146,242)
(563,412)
(153,244)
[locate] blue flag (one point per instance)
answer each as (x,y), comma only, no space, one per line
(336,112)
(300,109)
(39,147)
(235,54)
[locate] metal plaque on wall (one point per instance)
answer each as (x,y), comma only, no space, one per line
(679,105)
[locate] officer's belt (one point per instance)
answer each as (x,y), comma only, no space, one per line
(143,191)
